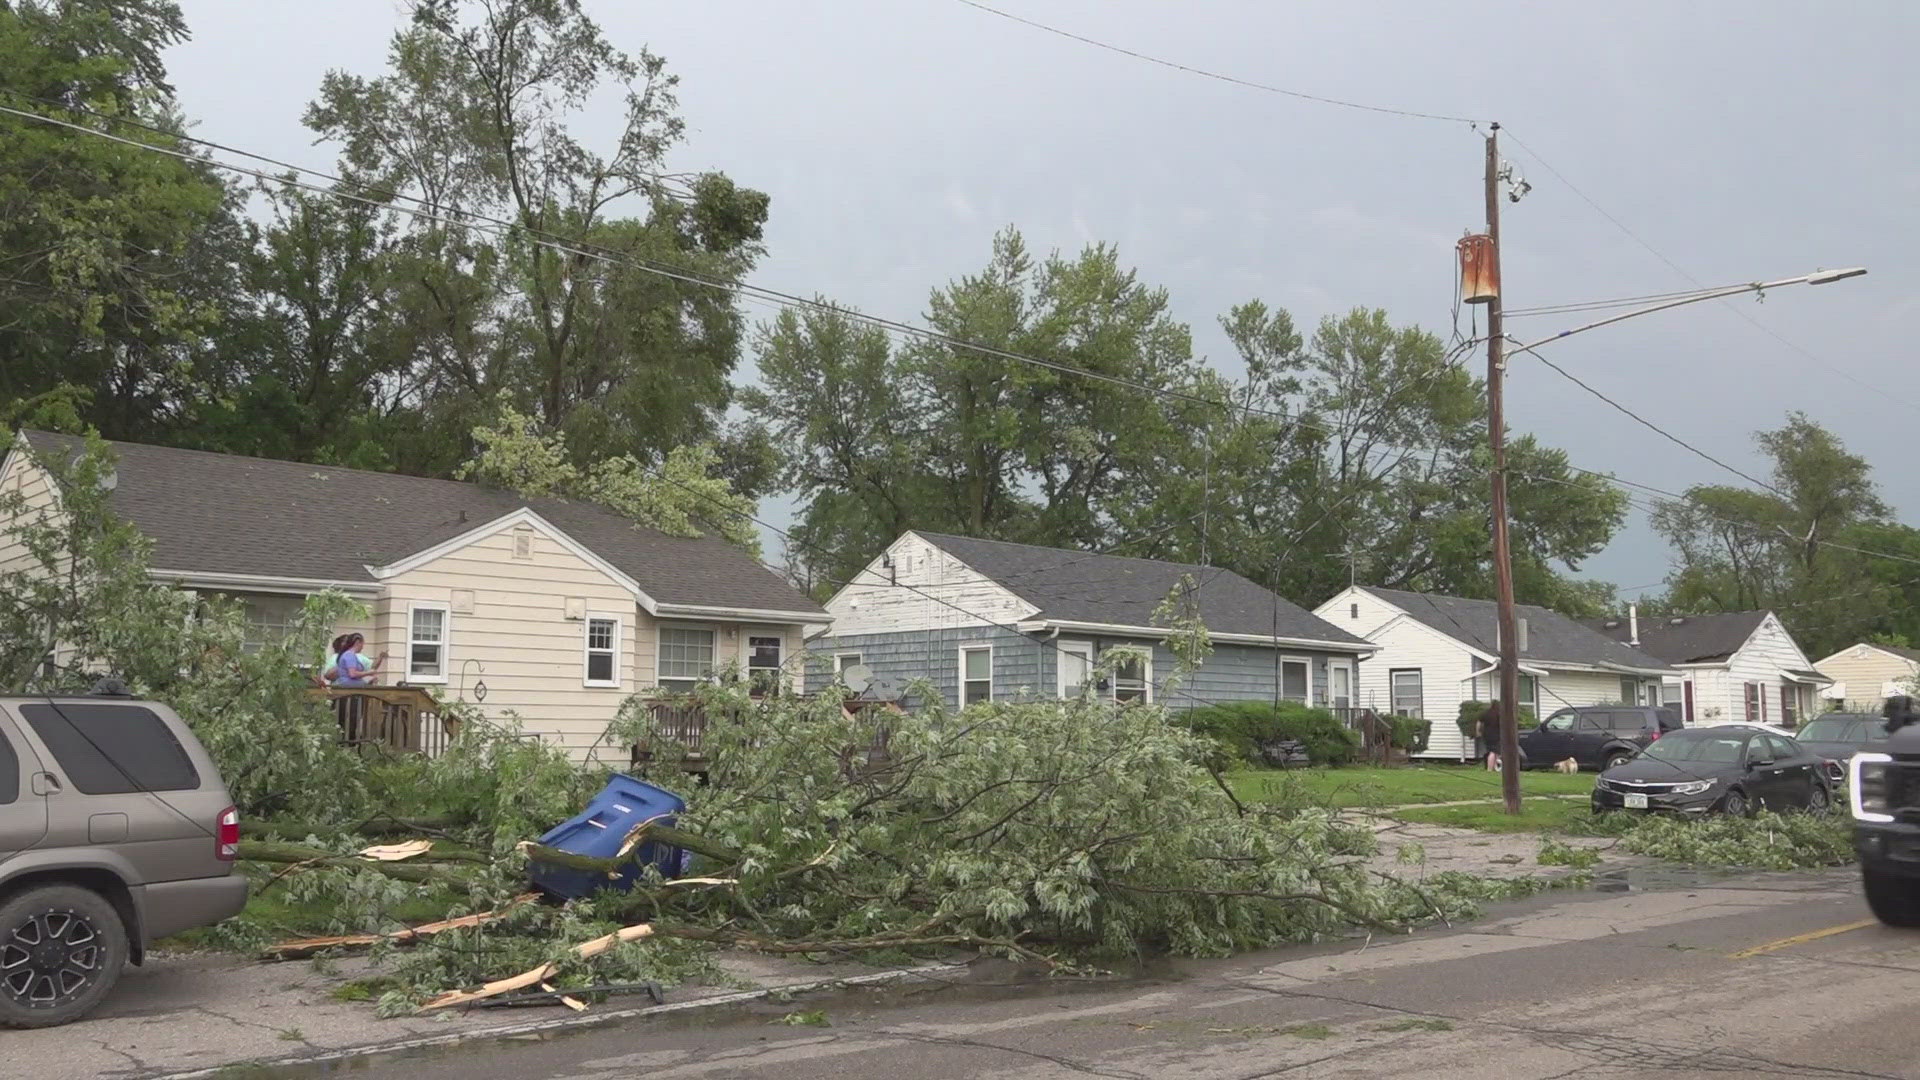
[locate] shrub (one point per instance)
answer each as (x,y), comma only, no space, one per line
(1409,733)
(1242,727)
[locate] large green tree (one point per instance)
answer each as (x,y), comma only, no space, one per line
(116,262)
(937,436)
(1797,547)
(557,314)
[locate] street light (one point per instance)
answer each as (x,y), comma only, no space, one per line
(1818,277)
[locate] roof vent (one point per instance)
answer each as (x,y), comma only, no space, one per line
(1676,620)
(1611,624)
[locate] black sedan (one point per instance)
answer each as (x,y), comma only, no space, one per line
(1730,769)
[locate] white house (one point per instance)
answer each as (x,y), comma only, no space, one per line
(1734,665)
(1436,652)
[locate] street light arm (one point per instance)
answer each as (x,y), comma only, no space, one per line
(1821,277)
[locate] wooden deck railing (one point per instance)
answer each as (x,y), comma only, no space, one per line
(403,718)
(684,724)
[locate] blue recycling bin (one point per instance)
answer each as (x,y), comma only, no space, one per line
(601,829)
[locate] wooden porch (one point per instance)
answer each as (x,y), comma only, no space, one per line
(683,724)
(405,719)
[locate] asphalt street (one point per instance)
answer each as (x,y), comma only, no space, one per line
(1778,975)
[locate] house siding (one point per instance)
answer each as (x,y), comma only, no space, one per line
(916,586)
(1866,676)
(1445,667)
(27,480)
(1027,666)
(933,655)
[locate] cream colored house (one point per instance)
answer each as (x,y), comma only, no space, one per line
(1865,675)
(561,609)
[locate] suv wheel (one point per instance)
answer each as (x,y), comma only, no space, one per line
(61,950)
(1615,759)
(1895,900)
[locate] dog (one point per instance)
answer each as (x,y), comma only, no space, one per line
(1568,766)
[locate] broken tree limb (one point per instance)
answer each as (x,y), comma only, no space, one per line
(413,870)
(539,976)
(305,947)
(381,826)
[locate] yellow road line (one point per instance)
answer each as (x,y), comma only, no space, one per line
(1801,939)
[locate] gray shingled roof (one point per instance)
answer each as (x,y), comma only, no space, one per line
(1690,639)
(1551,636)
(1075,586)
(221,513)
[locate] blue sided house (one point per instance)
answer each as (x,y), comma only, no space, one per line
(985,620)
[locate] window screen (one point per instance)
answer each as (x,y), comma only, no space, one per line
(9,771)
(113,749)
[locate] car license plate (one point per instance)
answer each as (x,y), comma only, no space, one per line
(1636,802)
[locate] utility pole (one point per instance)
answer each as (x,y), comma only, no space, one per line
(1502,557)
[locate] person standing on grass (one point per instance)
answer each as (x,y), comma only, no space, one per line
(1490,736)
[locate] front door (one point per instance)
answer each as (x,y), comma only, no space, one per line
(23,810)
(1075,660)
(1340,686)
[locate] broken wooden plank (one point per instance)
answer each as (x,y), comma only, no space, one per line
(586,950)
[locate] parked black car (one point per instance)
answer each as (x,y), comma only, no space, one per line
(1596,736)
(1838,736)
(1730,769)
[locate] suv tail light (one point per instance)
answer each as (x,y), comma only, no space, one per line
(226,835)
(1657,732)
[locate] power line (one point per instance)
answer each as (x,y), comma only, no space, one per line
(1678,269)
(1596,305)
(1646,423)
(1204,73)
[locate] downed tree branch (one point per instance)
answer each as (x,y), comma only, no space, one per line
(1348,910)
(305,947)
(907,939)
(540,975)
(412,870)
(612,867)
(380,826)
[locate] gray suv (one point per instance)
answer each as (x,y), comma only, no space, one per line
(115,831)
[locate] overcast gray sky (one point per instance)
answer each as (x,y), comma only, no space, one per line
(1742,141)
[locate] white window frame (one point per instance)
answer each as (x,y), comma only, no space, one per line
(840,664)
(587,650)
(1082,649)
(1145,653)
(746,658)
(1303,661)
(960,683)
(660,678)
(446,641)
(1393,691)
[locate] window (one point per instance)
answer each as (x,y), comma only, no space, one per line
(603,651)
(843,661)
(270,619)
(1626,722)
(1560,721)
(1529,690)
(427,643)
(1133,678)
(1756,708)
(1075,660)
(113,749)
(9,772)
(1408,691)
(1629,690)
(763,664)
(1782,748)
(686,656)
(976,674)
(1788,691)
(1296,680)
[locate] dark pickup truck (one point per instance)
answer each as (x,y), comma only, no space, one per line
(1884,796)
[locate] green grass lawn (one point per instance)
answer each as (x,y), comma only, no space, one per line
(1402,786)
(1536,815)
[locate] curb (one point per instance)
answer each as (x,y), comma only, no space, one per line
(563,1023)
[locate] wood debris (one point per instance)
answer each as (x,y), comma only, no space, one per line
(396,852)
(303,947)
(541,975)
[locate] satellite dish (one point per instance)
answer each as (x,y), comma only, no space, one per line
(857,677)
(885,690)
